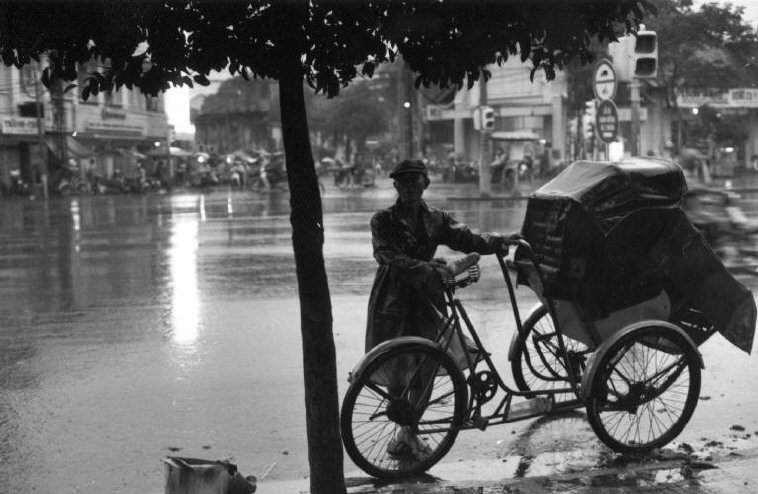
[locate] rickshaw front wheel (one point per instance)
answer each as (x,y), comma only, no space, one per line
(411,395)
(536,360)
(644,390)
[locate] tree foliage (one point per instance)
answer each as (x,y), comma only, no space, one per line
(355,116)
(444,42)
(704,48)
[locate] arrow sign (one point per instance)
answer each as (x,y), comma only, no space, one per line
(604,80)
(607,120)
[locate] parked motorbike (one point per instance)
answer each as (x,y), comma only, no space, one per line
(238,176)
(272,174)
(114,185)
(459,172)
(19,186)
(72,185)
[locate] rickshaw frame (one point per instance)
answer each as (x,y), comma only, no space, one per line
(481,386)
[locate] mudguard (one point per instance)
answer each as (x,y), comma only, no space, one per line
(385,347)
(592,366)
(515,338)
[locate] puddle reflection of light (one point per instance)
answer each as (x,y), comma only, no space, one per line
(229,207)
(185,301)
(202,208)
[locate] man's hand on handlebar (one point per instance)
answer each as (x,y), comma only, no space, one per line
(500,244)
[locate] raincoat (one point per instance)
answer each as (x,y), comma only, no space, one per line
(408,278)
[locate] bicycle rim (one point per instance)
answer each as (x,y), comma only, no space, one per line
(645,390)
(538,364)
(374,411)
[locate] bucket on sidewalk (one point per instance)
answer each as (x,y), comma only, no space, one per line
(196,476)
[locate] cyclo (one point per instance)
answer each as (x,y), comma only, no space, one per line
(628,289)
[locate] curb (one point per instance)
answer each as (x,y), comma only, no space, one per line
(733,472)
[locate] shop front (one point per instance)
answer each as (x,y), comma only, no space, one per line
(120,140)
(20,156)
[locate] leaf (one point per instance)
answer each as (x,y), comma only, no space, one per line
(202,80)
(69,88)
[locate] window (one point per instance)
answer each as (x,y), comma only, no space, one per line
(114,98)
(151,103)
(26,80)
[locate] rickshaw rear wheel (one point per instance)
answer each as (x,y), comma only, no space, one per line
(644,390)
(373,412)
(537,363)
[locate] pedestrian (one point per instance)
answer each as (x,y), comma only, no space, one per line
(409,281)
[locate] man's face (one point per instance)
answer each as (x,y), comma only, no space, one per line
(410,187)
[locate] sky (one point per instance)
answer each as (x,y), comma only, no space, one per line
(177,99)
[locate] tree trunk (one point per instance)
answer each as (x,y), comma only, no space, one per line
(319,359)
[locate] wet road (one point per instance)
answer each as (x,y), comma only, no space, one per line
(137,327)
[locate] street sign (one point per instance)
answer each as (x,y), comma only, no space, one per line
(607,121)
(604,80)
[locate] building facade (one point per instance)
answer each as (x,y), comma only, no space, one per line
(46,130)
(241,115)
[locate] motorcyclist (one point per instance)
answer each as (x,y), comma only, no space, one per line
(405,237)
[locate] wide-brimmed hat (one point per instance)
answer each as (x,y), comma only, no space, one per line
(409,166)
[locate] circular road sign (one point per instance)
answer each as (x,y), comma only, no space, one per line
(604,80)
(607,121)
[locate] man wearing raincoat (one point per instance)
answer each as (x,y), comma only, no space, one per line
(405,237)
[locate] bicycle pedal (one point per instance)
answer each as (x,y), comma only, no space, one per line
(480,422)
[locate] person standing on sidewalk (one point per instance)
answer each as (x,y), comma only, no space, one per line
(405,238)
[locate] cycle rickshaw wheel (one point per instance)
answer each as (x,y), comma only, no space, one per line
(644,390)
(537,363)
(428,394)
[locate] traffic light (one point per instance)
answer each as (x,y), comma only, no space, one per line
(646,54)
(488,119)
(573,126)
(588,127)
(588,119)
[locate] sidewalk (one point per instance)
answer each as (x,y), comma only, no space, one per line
(734,473)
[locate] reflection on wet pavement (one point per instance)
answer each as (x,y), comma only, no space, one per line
(140,326)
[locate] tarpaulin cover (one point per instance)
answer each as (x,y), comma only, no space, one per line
(612,235)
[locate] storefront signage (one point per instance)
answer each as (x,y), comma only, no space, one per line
(743,98)
(719,98)
(117,127)
(19,125)
(118,113)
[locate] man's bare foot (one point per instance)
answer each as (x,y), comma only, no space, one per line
(460,265)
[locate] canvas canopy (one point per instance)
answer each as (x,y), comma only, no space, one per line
(74,148)
(613,235)
(608,192)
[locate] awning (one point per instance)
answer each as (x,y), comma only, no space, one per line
(132,153)
(174,151)
(74,148)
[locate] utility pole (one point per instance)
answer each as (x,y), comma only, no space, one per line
(40,131)
(634,90)
(407,110)
(485,154)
